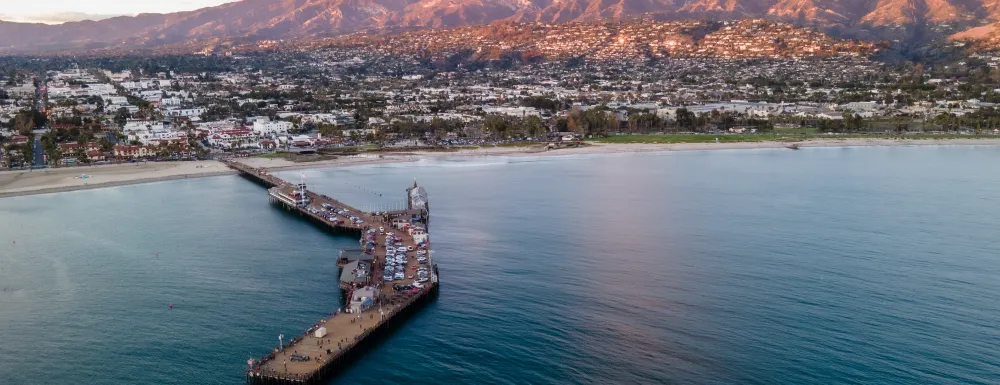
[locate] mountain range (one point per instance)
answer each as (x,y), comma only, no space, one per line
(901,21)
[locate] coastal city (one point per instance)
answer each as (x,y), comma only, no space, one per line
(626,192)
(345,97)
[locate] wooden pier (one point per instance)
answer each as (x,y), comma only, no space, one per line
(335,341)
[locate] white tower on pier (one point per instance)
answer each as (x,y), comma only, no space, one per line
(301,192)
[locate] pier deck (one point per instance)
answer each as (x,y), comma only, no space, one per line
(345,331)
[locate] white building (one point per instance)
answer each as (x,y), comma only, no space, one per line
(859,106)
(235,138)
(118,77)
(187,112)
(26,89)
(60,91)
(513,111)
(360,132)
(101,89)
(147,95)
(219,125)
(115,100)
(142,125)
(270,129)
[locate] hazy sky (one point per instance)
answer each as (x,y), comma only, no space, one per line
(56,11)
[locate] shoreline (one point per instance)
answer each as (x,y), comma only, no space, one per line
(597,147)
(55,180)
(53,190)
(49,181)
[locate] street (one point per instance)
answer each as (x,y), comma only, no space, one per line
(38,160)
(38,154)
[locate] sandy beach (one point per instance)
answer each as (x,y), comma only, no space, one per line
(614,148)
(15,183)
(278,164)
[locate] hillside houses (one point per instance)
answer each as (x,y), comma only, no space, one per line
(629,40)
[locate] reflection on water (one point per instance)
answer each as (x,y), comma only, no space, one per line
(864,265)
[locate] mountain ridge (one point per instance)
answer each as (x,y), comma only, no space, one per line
(263,20)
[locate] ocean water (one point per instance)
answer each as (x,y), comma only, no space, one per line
(820,266)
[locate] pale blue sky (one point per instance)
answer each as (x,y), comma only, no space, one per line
(54,11)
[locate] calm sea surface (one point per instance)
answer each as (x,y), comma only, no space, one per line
(819,266)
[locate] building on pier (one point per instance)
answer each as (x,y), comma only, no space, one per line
(362,299)
(356,273)
(417,205)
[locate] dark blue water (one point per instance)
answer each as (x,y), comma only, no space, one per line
(820,266)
